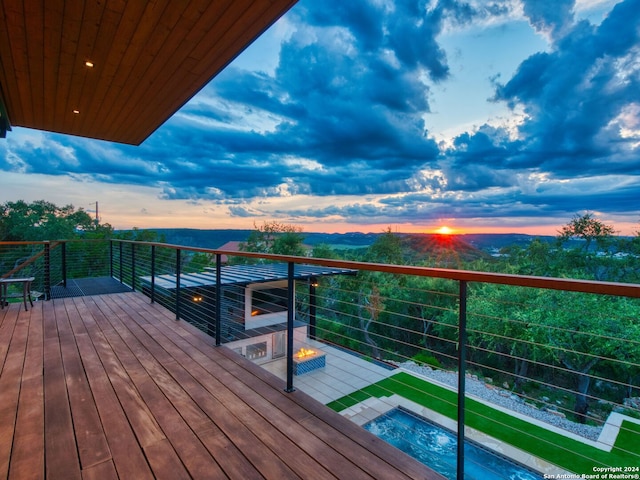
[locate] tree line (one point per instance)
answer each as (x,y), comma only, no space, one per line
(527,337)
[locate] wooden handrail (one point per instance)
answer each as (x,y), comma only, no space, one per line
(31,259)
(551,283)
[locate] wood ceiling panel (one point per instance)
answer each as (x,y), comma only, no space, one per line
(7,81)
(82,91)
(53,15)
(19,98)
(34,32)
(150,58)
(142,77)
(193,29)
(230,31)
(67,73)
(107,54)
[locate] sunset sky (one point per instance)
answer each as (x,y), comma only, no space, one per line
(485,116)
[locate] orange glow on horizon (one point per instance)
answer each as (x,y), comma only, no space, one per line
(444,230)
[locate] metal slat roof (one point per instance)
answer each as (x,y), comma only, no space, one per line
(245,275)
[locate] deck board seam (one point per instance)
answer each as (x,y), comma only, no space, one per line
(10,387)
(372,445)
(141,367)
(28,441)
(289,404)
(112,386)
(120,434)
(230,430)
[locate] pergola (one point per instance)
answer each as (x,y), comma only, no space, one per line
(114,69)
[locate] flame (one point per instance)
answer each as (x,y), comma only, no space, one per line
(304,352)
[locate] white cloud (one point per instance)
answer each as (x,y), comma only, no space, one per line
(238,117)
(303,163)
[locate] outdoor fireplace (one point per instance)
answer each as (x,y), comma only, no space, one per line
(306,359)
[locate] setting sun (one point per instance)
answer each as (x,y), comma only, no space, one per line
(444,230)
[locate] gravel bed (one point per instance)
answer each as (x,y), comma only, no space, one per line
(505,399)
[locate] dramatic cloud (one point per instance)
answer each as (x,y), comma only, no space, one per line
(576,96)
(345,113)
(552,17)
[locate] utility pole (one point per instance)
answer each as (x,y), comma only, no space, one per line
(97,218)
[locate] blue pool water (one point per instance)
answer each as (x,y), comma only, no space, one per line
(436,448)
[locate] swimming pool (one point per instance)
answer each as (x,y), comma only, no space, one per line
(436,447)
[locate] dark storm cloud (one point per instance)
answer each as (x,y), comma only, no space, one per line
(341,115)
(490,207)
(573,93)
(549,16)
(576,99)
(350,100)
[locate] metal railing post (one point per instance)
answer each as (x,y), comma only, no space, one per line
(133,267)
(64,264)
(218,312)
(290,315)
(153,273)
(47,270)
(313,283)
(178,284)
(111,258)
(462,371)
(121,260)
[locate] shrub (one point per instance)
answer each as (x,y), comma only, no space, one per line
(426,359)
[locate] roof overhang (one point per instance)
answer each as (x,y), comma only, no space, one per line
(149,58)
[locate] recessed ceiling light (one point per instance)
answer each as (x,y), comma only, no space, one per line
(89,63)
(76,111)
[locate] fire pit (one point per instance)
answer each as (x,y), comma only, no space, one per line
(305,360)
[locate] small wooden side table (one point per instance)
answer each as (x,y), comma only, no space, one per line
(26,289)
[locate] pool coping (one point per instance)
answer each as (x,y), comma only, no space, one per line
(605,441)
(373,407)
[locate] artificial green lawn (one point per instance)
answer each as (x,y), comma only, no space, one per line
(565,452)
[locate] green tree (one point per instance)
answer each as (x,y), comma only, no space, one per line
(414,308)
(502,319)
(386,249)
(628,258)
(537,258)
(165,258)
(275,238)
(41,220)
(45,221)
(584,331)
(324,251)
(199,261)
(588,228)
(607,262)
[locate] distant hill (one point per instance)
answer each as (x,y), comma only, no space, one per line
(443,250)
(341,240)
(495,241)
(463,244)
(191,237)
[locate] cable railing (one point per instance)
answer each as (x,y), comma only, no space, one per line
(549,366)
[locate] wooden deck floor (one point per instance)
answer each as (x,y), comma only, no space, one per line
(112,387)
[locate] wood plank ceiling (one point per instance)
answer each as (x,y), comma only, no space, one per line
(149,58)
